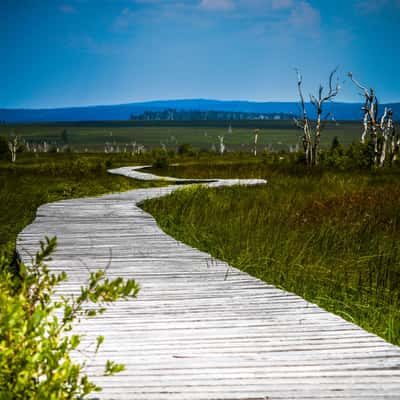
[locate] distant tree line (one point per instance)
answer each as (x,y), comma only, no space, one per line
(171,114)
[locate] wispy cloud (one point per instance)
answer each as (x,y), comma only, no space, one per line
(273,18)
(374,6)
(148,1)
(281,4)
(282,21)
(260,5)
(67,8)
(213,5)
(124,19)
(305,18)
(91,45)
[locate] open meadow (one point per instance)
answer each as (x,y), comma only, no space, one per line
(203,135)
(329,234)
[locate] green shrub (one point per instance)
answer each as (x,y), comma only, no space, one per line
(186,149)
(35,343)
(161,162)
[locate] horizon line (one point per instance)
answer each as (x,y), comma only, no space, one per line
(42,108)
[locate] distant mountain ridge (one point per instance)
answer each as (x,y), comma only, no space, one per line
(340,111)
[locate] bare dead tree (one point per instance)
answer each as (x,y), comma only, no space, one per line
(317,102)
(221,144)
(303,123)
(384,125)
(370,109)
(108,148)
(390,141)
(13,143)
(255,133)
(312,135)
(133,147)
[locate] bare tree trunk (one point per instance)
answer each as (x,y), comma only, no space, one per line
(389,135)
(307,144)
(13,147)
(373,112)
(365,124)
(317,103)
(317,138)
(255,142)
(370,119)
(221,145)
(304,124)
(396,148)
(385,132)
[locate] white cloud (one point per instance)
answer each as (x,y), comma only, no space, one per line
(222,5)
(304,15)
(288,24)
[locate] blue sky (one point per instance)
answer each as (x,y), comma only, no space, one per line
(84,52)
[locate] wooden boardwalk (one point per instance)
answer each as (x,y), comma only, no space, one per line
(200,329)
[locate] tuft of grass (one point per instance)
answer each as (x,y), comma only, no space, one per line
(332,238)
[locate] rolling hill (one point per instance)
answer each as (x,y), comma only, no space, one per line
(340,111)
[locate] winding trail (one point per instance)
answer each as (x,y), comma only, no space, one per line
(199,329)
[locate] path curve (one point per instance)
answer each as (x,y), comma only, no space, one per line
(195,333)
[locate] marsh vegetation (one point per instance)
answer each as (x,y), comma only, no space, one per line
(330,236)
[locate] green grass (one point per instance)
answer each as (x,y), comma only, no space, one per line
(332,238)
(34,181)
(200,134)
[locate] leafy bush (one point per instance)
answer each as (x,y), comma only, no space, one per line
(185,149)
(161,162)
(35,329)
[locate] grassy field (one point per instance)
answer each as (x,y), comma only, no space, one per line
(33,181)
(200,134)
(331,237)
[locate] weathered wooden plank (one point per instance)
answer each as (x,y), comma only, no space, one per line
(195,331)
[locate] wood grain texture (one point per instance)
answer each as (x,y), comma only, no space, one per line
(199,329)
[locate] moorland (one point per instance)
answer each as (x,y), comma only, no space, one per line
(328,233)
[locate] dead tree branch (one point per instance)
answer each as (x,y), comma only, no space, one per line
(311,140)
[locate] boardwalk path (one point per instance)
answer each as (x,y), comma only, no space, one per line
(192,334)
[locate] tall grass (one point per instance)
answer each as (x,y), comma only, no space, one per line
(332,238)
